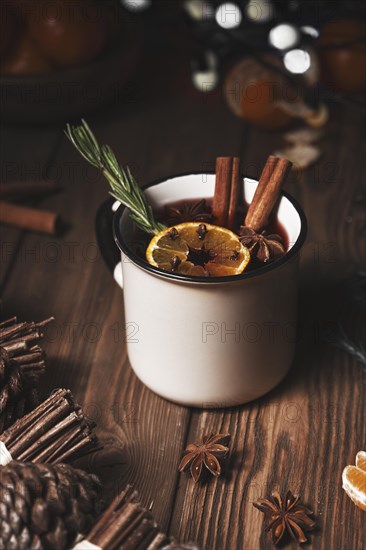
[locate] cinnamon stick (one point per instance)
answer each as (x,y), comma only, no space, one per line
(21,364)
(143,533)
(127,525)
(221,200)
(125,496)
(32,219)
(262,183)
(234,194)
(8,322)
(157,541)
(227,191)
(267,193)
(53,432)
(26,189)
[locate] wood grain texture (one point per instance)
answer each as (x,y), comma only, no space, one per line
(24,154)
(86,345)
(302,434)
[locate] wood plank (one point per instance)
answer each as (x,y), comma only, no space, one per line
(302,434)
(25,154)
(329,192)
(284,440)
(82,352)
(144,434)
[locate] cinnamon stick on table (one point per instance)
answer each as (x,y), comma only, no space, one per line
(227,191)
(126,524)
(267,193)
(55,431)
(33,219)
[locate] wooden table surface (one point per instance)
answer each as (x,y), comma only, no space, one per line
(298,437)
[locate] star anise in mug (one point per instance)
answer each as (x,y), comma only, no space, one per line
(262,246)
(207,455)
(285,516)
(197,212)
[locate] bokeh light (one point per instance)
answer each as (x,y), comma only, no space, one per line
(136,5)
(310,31)
(228,15)
(297,61)
(259,11)
(283,36)
(199,10)
(205,78)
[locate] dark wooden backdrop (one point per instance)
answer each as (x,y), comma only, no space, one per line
(302,434)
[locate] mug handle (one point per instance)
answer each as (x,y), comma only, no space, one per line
(108,248)
(118,275)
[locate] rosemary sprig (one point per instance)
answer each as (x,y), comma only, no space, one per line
(123,185)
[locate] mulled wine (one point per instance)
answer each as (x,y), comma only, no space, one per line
(190,210)
(200,210)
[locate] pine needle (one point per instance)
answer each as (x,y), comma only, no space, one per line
(124,187)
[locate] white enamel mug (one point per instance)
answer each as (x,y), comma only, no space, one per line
(210,342)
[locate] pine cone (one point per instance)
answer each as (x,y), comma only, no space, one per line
(21,364)
(45,507)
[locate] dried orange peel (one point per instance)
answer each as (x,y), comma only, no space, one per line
(198,249)
(354,480)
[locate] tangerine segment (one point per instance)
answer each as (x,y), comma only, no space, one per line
(354,483)
(361,460)
(198,249)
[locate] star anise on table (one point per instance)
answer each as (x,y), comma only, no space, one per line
(207,455)
(198,212)
(286,516)
(262,246)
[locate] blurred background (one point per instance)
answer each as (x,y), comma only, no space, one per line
(269,61)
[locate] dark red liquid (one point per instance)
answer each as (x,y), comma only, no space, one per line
(274,226)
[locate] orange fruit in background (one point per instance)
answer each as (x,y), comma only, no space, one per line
(25,58)
(68,33)
(354,481)
(342,55)
(256,92)
(258,106)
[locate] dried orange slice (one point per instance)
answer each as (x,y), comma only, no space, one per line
(198,249)
(354,481)
(361,460)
